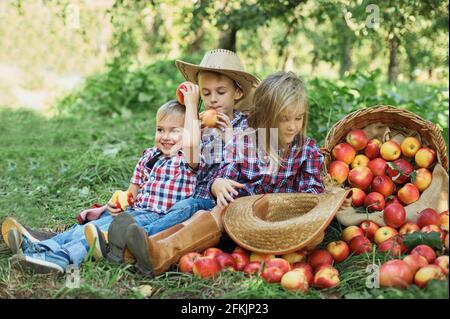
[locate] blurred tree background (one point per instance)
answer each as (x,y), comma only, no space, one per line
(113,57)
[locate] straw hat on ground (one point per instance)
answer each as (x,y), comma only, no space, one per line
(280,223)
(227,63)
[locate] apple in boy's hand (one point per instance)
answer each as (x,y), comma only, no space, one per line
(179,94)
(122,199)
(209,118)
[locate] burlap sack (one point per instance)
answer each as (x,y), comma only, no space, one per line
(435,196)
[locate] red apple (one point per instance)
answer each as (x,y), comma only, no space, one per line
(374,202)
(281,263)
(392,199)
(390,151)
(359,245)
(241,260)
(319,257)
(360,177)
(408,228)
(415,262)
(425,157)
(369,228)
(252,267)
(372,149)
(326,277)
(390,246)
(410,146)
(358,139)
(272,274)
(205,267)
(179,94)
(383,185)
(308,272)
(396,273)
(394,215)
(378,166)
(427,273)
(209,118)
(422,179)
(225,260)
(295,257)
(399,170)
(360,161)
(212,252)
(408,194)
(358,197)
(295,281)
(384,233)
(425,251)
(442,261)
(339,250)
(443,219)
(351,231)
(344,152)
(428,216)
(338,171)
(187,262)
(303,265)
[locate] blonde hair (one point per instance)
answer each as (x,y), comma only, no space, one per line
(273,95)
(170,108)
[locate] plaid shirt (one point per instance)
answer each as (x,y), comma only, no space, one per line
(170,180)
(212,154)
(300,170)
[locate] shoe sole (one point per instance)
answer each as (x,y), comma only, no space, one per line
(95,239)
(39,266)
(10,223)
(15,241)
(137,245)
(116,237)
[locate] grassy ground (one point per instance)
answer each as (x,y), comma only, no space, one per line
(50,169)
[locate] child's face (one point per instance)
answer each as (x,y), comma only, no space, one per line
(169,134)
(218,92)
(290,124)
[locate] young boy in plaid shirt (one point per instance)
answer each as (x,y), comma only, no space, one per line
(162,177)
(223,85)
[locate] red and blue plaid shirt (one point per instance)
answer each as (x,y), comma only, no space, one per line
(170,180)
(212,154)
(300,169)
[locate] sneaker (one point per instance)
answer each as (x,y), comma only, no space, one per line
(41,263)
(116,237)
(10,223)
(137,244)
(19,243)
(96,241)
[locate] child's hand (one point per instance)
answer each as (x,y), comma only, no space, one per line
(224,189)
(223,122)
(191,95)
(112,209)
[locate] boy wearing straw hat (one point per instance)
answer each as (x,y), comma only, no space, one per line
(223,85)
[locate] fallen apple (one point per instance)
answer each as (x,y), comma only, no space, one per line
(359,245)
(428,216)
(415,262)
(408,194)
(226,261)
(326,277)
(442,261)
(241,259)
(396,273)
(394,215)
(425,251)
(351,231)
(425,274)
(205,267)
(187,262)
(319,257)
(295,281)
(384,233)
(369,228)
(212,252)
(339,250)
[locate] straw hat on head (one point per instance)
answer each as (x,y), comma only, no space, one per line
(227,63)
(281,223)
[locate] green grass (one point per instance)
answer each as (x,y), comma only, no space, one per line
(52,168)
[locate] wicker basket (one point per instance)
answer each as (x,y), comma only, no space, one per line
(392,117)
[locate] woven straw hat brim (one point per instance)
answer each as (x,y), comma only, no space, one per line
(247,81)
(280,223)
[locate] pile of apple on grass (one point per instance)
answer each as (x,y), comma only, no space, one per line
(382,168)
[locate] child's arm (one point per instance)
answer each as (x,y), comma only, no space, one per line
(192,134)
(133,188)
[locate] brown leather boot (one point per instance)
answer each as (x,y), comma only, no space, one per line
(155,254)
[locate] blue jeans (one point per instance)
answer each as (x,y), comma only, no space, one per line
(72,242)
(178,213)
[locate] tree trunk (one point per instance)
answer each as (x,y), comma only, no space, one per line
(314,61)
(228,39)
(394,63)
(346,55)
(196,44)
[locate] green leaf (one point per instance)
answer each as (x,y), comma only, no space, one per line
(432,239)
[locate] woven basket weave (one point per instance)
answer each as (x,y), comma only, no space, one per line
(392,117)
